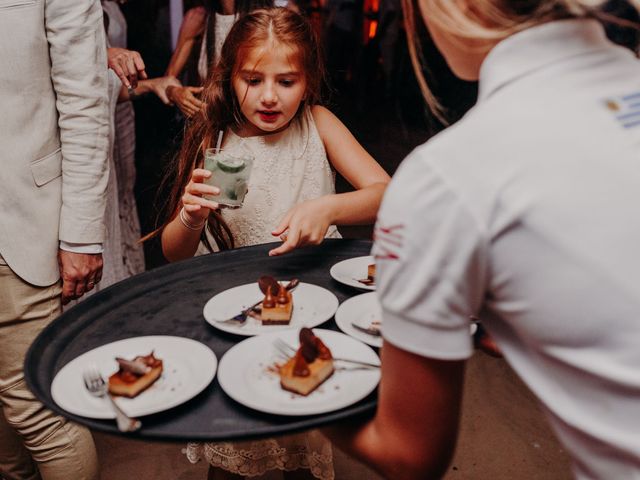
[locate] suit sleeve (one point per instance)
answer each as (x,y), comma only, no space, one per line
(77,47)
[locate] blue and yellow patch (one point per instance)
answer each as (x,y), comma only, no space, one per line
(626,109)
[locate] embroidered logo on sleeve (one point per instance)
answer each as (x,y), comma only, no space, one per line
(388,241)
(626,109)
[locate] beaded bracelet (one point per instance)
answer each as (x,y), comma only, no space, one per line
(188,224)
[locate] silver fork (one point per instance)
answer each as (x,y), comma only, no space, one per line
(97,387)
(288,351)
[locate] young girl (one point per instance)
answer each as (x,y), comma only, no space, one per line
(263,96)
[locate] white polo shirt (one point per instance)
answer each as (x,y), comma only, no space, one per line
(527,214)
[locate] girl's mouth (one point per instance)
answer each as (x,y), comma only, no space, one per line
(268,116)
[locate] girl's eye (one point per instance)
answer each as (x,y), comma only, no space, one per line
(253,81)
(286,82)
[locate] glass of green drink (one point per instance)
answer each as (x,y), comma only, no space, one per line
(230,174)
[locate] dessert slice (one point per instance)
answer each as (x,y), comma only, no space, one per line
(371,275)
(309,367)
(277,310)
(371,272)
(135,375)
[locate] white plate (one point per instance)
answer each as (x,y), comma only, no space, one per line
(362,310)
(351,270)
(312,305)
(188,368)
(246,374)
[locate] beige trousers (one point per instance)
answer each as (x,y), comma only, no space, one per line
(34,442)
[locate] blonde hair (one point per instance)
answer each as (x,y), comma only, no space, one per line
(490,20)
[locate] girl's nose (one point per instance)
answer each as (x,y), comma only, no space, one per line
(269,95)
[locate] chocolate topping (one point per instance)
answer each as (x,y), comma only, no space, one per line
(283,296)
(269,301)
(308,345)
(323,352)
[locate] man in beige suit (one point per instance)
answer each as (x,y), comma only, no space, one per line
(53,174)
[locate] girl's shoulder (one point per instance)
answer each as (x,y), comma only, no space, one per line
(320,113)
(323,117)
(325,121)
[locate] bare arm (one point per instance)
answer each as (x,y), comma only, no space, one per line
(308,222)
(157,85)
(414,432)
(180,238)
(192,26)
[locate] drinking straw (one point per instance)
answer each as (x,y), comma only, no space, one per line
(219,142)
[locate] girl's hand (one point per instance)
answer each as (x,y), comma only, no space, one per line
(185,100)
(196,207)
(305,224)
(160,85)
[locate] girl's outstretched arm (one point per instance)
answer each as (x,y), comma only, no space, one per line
(181,236)
(307,223)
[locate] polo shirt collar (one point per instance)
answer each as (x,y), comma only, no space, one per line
(537,47)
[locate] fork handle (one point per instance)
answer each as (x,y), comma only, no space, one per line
(357,362)
(247,310)
(124,422)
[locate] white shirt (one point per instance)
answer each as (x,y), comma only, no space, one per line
(525,213)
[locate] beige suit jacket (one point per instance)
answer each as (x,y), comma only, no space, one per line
(53,131)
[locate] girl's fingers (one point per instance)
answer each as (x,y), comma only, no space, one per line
(189,207)
(292,241)
(283,225)
(199,175)
(188,198)
(200,189)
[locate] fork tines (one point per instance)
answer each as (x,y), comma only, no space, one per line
(284,348)
(92,377)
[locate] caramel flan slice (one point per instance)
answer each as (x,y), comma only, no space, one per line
(135,376)
(277,308)
(309,367)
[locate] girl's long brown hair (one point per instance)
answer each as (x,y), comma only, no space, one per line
(282,27)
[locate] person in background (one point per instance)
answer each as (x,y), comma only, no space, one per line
(525,214)
(263,95)
(53,139)
(200,40)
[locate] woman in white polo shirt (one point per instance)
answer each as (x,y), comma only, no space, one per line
(524,213)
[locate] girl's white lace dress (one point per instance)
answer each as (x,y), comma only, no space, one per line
(289,167)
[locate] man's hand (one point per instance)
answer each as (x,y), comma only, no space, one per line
(80,272)
(127,64)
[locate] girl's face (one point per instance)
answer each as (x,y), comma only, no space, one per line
(269,86)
